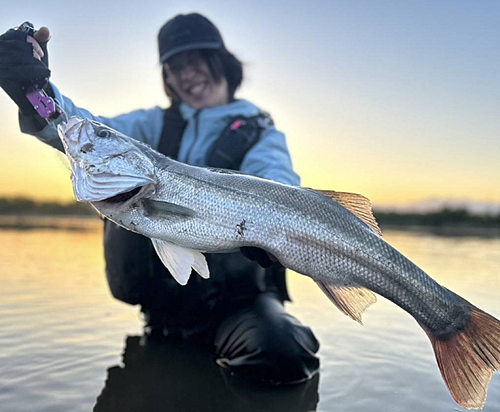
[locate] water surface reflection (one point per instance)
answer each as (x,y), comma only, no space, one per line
(62,334)
(177,376)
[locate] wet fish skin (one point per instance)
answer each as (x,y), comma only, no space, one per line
(184,207)
(288,227)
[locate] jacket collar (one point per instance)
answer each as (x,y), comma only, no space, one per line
(236,107)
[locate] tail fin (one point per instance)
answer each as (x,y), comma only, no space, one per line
(468,359)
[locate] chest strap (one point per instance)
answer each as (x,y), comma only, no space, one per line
(239,136)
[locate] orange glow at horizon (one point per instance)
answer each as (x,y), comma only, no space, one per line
(390,104)
(33,170)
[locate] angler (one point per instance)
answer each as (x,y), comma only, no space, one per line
(239,310)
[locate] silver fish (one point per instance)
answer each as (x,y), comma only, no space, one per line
(331,237)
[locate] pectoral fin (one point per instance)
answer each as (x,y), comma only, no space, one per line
(155,207)
(179,261)
(352,300)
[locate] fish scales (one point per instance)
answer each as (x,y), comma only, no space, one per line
(262,205)
(329,236)
(297,226)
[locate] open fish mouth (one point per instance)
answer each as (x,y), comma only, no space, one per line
(123,197)
(139,191)
(107,187)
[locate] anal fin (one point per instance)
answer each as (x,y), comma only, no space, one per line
(351,300)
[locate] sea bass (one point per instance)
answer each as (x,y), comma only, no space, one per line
(331,237)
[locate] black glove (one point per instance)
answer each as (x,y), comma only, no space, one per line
(20,70)
(257,255)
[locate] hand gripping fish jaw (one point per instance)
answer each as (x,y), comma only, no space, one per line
(46,106)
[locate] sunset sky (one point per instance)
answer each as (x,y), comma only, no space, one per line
(397,100)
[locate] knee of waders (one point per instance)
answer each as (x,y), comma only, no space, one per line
(269,344)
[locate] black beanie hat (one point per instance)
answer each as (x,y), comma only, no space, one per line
(187,32)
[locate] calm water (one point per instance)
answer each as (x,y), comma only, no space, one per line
(67,345)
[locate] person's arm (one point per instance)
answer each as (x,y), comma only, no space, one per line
(269,158)
(24,63)
(144,124)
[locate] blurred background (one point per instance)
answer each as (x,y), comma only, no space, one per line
(396,100)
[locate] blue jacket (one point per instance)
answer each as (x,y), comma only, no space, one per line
(268,158)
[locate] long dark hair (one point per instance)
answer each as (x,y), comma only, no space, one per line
(221,63)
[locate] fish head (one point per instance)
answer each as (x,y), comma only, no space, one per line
(104,162)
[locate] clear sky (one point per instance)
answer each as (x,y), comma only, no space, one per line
(397,100)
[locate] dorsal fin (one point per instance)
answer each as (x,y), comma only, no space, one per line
(358,205)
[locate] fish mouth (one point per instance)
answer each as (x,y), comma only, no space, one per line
(131,195)
(108,187)
(124,196)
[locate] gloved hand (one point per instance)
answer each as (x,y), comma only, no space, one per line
(260,256)
(23,64)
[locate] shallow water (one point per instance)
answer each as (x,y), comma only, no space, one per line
(67,345)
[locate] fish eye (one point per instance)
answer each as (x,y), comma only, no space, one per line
(104,133)
(86,148)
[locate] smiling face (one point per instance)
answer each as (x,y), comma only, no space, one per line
(188,74)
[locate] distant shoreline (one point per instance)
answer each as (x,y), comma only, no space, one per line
(27,222)
(446,222)
(24,206)
(459,218)
(447,231)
